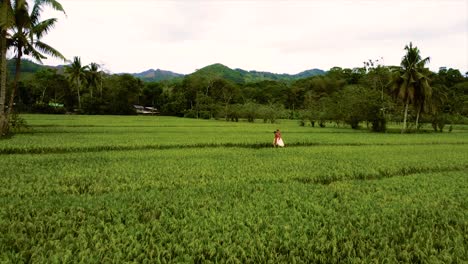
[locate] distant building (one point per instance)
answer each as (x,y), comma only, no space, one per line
(146,110)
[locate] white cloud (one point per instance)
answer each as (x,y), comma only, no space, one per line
(278,36)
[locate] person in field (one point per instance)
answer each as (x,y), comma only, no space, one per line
(278,141)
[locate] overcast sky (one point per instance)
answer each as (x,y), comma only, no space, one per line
(281,36)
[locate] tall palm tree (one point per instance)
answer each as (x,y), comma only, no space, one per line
(93,77)
(410,82)
(6,22)
(424,95)
(27,34)
(77,75)
(12,12)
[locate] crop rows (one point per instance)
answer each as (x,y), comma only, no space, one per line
(110,171)
(203,194)
(117,133)
(394,220)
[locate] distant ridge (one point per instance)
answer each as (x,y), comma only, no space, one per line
(152,75)
(253,76)
(28,68)
(217,70)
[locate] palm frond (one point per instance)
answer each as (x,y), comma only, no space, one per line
(7,18)
(426,89)
(76,63)
(37,55)
(418,75)
(20,4)
(43,47)
(36,13)
(422,63)
(401,89)
(52,3)
(21,16)
(94,67)
(43,27)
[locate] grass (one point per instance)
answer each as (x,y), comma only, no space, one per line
(159,189)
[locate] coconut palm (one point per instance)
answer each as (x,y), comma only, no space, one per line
(423,94)
(77,75)
(27,34)
(6,22)
(410,82)
(93,77)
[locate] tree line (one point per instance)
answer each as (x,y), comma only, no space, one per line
(372,94)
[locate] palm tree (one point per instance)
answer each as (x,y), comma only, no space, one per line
(27,34)
(6,22)
(423,96)
(410,82)
(93,77)
(76,74)
(438,105)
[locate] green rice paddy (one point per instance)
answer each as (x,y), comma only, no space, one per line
(97,189)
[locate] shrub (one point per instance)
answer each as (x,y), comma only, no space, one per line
(190,114)
(204,114)
(43,108)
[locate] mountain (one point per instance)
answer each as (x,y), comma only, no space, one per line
(29,68)
(157,75)
(242,76)
(309,73)
(255,76)
(220,71)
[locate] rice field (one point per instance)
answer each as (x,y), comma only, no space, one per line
(143,189)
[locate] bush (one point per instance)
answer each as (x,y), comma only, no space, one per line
(204,114)
(353,121)
(379,124)
(190,114)
(43,108)
(91,105)
(17,123)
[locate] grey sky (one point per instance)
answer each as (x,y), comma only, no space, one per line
(278,36)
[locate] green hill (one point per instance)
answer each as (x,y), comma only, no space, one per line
(220,71)
(242,76)
(157,75)
(28,68)
(255,76)
(308,73)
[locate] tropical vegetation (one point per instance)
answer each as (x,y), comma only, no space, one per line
(367,97)
(84,179)
(22,31)
(411,82)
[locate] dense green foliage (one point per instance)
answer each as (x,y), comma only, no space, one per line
(341,96)
(22,30)
(161,189)
(373,95)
